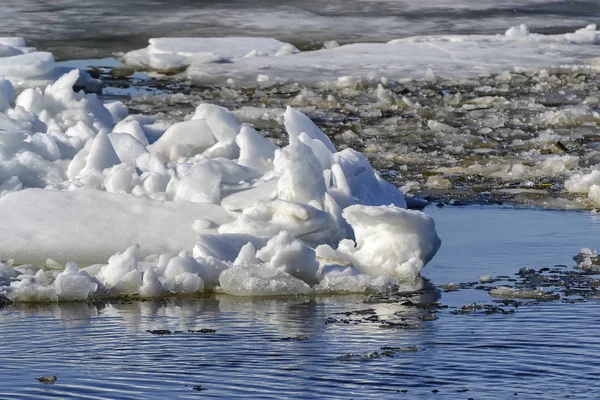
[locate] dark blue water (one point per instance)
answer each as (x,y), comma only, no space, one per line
(321,347)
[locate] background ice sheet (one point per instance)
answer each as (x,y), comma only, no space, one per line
(95,28)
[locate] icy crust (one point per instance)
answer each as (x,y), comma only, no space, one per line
(98,203)
(420,57)
(176,54)
(27,67)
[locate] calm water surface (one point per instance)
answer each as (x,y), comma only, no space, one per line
(321,347)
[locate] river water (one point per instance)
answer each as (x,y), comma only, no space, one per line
(334,346)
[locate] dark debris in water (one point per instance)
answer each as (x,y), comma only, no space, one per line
(4,301)
(400,325)
(47,379)
(161,332)
(481,308)
(384,352)
(531,286)
(368,311)
(429,294)
(203,330)
(197,388)
(299,338)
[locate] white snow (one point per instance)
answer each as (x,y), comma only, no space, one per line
(418,57)
(587,184)
(26,67)
(166,54)
(90,209)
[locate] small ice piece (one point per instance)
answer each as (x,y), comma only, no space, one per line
(256,151)
(121,178)
(517,31)
(288,254)
(183,140)
(507,292)
(102,155)
(587,35)
(429,75)
(262,78)
(594,194)
(222,123)
(129,126)
(383,95)
(441,127)
(581,183)
(60,108)
(357,183)
(127,147)
(389,240)
(151,285)
(259,280)
(247,256)
(338,281)
(302,180)
(119,111)
(119,265)
(72,284)
(297,123)
(182,274)
(330,44)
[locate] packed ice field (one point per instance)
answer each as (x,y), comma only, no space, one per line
(171,195)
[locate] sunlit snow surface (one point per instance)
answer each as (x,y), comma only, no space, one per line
(418,57)
(210,204)
(27,67)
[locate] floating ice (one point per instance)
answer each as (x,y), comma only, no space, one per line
(419,57)
(210,205)
(27,67)
(507,292)
(172,54)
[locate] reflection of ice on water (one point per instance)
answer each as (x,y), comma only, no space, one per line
(288,316)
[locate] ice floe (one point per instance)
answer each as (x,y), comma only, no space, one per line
(418,57)
(27,67)
(174,54)
(98,203)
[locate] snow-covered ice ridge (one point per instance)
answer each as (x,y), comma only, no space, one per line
(26,67)
(206,204)
(260,61)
